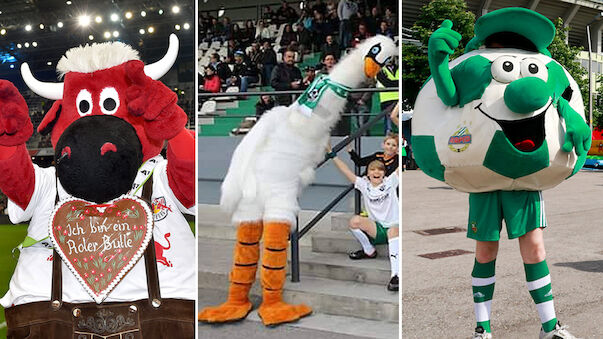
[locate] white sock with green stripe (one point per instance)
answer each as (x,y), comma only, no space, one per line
(483,279)
(364,241)
(394,248)
(539,285)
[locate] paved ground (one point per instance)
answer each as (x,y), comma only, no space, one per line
(437,301)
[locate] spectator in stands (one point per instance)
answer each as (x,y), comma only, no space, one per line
(211,81)
(248,34)
(305,19)
(262,32)
(331,11)
(391,18)
(320,7)
(235,33)
(288,36)
(385,30)
(266,61)
(222,69)
(327,62)
(320,28)
(227,27)
(330,47)
(372,20)
(269,15)
(361,34)
(310,74)
(253,53)
(215,31)
(304,40)
(243,74)
(286,76)
(285,13)
(265,103)
(345,10)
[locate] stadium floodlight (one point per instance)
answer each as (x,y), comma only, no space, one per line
(34,44)
(220,12)
(19,46)
(128,15)
(176,9)
(98,19)
(41,26)
(107,34)
(26,45)
(114,17)
(186,25)
(160,11)
(115,34)
(177,27)
(143,14)
(12,66)
(68,3)
(28,28)
(141,31)
(60,24)
(83,20)
(151,29)
(3,31)
(90,37)
(49,63)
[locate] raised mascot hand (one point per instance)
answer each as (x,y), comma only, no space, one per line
(15,124)
(577,132)
(442,44)
(155,102)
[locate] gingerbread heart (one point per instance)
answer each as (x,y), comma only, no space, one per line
(101,243)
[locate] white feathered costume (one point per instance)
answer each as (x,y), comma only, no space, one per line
(268,170)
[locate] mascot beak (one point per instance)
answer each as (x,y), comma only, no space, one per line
(371,67)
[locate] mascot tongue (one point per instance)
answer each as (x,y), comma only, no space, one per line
(525,145)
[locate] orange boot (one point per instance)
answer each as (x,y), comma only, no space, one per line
(273,310)
(242,276)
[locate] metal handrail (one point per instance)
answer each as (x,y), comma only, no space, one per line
(290,92)
(297,234)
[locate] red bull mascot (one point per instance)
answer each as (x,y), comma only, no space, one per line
(96,213)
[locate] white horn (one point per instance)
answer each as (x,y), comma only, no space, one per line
(157,69)
(48,90)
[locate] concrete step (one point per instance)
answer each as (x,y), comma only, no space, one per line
(321,325)
(340,222)
(338,266)
(335,297)
(204,120)
(341,242)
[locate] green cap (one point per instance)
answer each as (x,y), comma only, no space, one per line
(529,24)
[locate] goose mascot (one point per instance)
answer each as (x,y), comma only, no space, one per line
(267,172)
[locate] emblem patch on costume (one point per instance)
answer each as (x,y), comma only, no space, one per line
(460,140)
(101,243)
(160,209)
(474,226)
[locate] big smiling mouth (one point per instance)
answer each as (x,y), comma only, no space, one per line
(526,135)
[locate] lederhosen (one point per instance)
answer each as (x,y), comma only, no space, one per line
(146,318)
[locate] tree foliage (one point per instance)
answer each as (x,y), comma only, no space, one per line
(415,68)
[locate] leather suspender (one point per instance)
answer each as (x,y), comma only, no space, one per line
(56,294)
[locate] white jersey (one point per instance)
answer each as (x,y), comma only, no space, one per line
(381,201)
(175,248)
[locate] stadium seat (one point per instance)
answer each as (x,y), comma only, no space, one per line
(208,108)
(204,46)
(215,45)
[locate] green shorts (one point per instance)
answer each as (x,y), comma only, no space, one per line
(522,211)
(381,237)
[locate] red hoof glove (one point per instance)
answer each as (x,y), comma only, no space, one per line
(15,124)
(155,102)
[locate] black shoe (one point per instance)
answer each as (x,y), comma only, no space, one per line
(360,254)
(393,284)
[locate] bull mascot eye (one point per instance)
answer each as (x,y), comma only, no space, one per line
(109,100)
(84,102)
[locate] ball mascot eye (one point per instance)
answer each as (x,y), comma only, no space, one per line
(84,102)
(531,67)
(109,100)
(505,69)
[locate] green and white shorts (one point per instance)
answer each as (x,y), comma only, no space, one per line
(523,211)
(381,236)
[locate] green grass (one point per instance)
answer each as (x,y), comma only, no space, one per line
(10,237)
